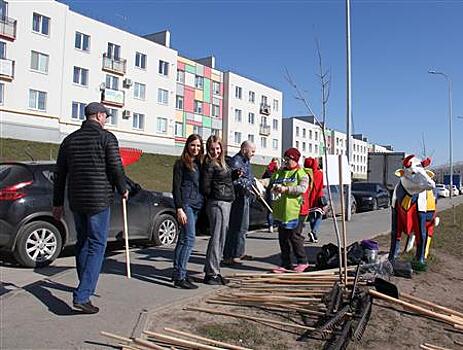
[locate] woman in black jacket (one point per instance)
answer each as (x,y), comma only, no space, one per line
(217,187)
(188,203)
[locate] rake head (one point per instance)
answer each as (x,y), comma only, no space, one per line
(129,155)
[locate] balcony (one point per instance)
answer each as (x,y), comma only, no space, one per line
(113,97)
(7,28)
(112,65)
(264,109)
(264,130)
(6,69)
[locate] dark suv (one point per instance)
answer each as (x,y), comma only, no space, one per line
(28,229)
(370,195)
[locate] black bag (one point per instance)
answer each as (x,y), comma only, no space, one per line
(327,258)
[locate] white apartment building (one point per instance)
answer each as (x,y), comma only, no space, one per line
(374,148)
(63,60)
(252,111)
(303,134)
(359,161)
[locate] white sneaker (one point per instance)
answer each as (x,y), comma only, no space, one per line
(270,229)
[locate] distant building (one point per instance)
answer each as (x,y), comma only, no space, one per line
(252,111)
(304,134)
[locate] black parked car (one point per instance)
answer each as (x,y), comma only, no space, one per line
(28,229)
(370,195)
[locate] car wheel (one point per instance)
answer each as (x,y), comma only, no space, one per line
(165,230)
(39,243)
(375,205)
(353,208)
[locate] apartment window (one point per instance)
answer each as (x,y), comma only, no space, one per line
(114,51)
(112,82)
(251,138)
(78,110)
(216,88)
(179,129)
(82,41)
(275,144)
(140,60)
(316,135)
(215,111)
(297,131)
(2,93)
(316,148)
(263,121)
(310,134)
(275,105)
(263,142)
(303,133)
(297,144)
(37,100)
(196,130)
(198,107)
(181,76)
(303,146)
(275,124)
(179,102)
(139,91)
(238,92)
(138,121)
(40,24)
(310,148)
(112,120)
(161,125)
(199,82)
(237,138)
(251,118)
(263,100)
(2,49)
(163,96)
(80,76)
(39,62)
(163,68)
(238,115)
(215,132)
(252,96)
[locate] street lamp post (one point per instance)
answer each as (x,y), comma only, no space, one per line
(449,81)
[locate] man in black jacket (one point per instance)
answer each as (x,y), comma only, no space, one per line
(90,161)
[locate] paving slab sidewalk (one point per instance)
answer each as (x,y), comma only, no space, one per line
(38,315)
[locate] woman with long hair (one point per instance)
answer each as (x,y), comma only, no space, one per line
(217,187)
(188,203)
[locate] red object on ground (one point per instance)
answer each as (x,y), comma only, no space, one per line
(129,155)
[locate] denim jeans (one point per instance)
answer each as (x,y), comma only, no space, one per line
(315,220)
(239,224)
(185,243)
(92,233)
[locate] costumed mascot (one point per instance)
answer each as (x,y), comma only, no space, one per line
(413,209)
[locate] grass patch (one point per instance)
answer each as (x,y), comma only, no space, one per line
(245,334)
(448,236)
(152,171)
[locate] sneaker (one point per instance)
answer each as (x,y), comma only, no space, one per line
(281,269)
(270,229)
(184,284)
(86,308)
(313,238)
(213,280)
(301,267)
(246,257)
(224,280)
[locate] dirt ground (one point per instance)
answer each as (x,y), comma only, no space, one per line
(388,328)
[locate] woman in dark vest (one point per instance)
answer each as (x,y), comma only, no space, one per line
(188,203)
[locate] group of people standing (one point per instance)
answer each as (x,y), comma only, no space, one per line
(204,178)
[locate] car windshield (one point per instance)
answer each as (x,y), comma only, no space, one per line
(359,186)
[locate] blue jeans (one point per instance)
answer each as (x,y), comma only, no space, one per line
(239,224)
(185,243)
(92,233)
(315,219)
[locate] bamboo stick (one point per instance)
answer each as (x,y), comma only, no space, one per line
(116,337)
(148,344)
(327,271)
(246,317)
(416,308)
(343,220)
(182,342)
(428,303)
(126,237)
(435,347)
(208,340)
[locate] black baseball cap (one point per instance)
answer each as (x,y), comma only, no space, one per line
(96,107)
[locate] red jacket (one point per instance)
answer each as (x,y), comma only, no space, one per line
(311,198)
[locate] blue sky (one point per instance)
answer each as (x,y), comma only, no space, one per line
(394,43)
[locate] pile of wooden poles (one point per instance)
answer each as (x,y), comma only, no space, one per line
(174,340)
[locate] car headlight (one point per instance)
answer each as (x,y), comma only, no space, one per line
(368,198)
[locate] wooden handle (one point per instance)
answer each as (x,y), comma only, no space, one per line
(428,303)
(256,191)
(126,236)
(184,342)
(211,341)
